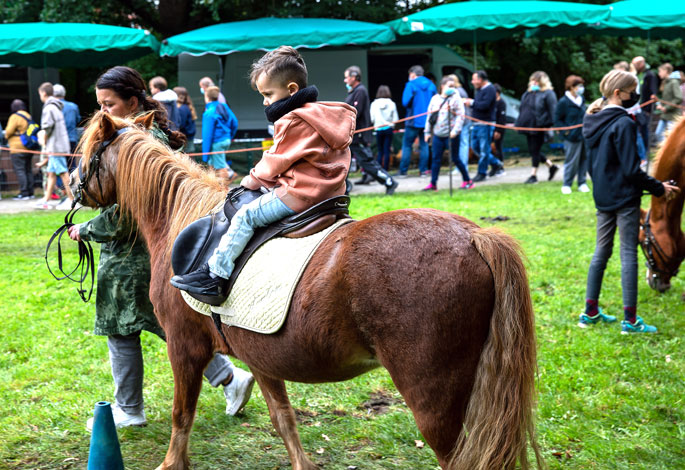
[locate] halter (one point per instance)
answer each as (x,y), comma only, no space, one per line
(650,247)
(86,261)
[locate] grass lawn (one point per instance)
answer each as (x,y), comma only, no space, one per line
(606,401)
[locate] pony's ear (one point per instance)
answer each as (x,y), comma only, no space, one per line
(107,125)
(145,120)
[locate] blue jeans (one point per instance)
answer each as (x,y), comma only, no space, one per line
(384,139)
(481,138)
(410,134)
(465,141)
(439,146)
(258,213)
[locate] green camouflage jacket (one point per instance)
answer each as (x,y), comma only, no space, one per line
(122,303)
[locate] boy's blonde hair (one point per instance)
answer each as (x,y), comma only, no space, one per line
(283,65)
(614,80)
(212,93)
(543,80)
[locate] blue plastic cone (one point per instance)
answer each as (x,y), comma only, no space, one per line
(105,453)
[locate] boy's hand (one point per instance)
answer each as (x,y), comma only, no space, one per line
(427,137)
(42,163)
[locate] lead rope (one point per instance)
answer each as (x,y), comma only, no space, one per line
(86,262)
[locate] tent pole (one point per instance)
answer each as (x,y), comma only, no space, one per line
(475,42)
(222,67)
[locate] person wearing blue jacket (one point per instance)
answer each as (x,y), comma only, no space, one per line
(416,96)
(219,126)
(617,186)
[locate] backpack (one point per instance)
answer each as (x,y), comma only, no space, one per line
(29,138)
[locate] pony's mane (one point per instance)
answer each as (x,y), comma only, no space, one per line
(672,147)
(153,182)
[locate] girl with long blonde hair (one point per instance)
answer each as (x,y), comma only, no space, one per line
(618,183)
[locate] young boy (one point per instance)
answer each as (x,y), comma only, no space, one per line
(307,164)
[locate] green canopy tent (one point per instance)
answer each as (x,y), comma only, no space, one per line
(643,18)
(269,33)
(474,21)
(64,45)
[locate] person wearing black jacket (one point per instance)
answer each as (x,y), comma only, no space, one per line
(358,97)
(537,111)
(569,112)
(649,86)
(617,186)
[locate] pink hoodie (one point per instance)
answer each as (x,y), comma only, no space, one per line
(310,158)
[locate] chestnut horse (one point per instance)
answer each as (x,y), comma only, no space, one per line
(441,303)
(662,239)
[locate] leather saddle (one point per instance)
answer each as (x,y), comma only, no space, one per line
(195,244)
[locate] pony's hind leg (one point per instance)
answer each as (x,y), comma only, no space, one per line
(188,361)
(283,418)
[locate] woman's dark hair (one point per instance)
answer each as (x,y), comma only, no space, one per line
(383,92)
(127,83)
(18,105)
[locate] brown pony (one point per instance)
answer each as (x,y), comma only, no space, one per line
(441,303)
(662,240)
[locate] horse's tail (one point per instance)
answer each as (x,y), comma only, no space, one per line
(499,420)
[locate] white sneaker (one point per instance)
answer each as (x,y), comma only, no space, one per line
(64,205)
(583,188)
(122,419)
(238,392)
(566,190)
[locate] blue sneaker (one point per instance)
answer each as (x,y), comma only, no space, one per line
(638,327)
(585,320)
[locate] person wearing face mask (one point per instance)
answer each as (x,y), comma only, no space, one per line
(537,111)
(569,112)
(443,125)
(307,164)
(206,82)
(618,183)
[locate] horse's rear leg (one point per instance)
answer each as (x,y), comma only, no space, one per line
(188,361)
(438,400)
(283,418)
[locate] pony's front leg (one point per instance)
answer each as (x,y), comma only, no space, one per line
(283,418)
(188,361)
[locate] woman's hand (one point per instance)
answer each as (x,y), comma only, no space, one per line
(74,232)
(427,137)
(670,191)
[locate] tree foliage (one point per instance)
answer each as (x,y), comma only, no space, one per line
(509,61)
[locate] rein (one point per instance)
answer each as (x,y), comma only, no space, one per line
(650,247)
(86,261)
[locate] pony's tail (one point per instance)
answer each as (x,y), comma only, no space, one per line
(499,420)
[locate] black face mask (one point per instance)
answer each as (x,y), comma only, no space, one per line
(632,101)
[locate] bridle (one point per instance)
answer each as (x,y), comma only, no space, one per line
(86,262)
(652,250)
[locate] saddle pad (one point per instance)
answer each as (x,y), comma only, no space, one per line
(260,298)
